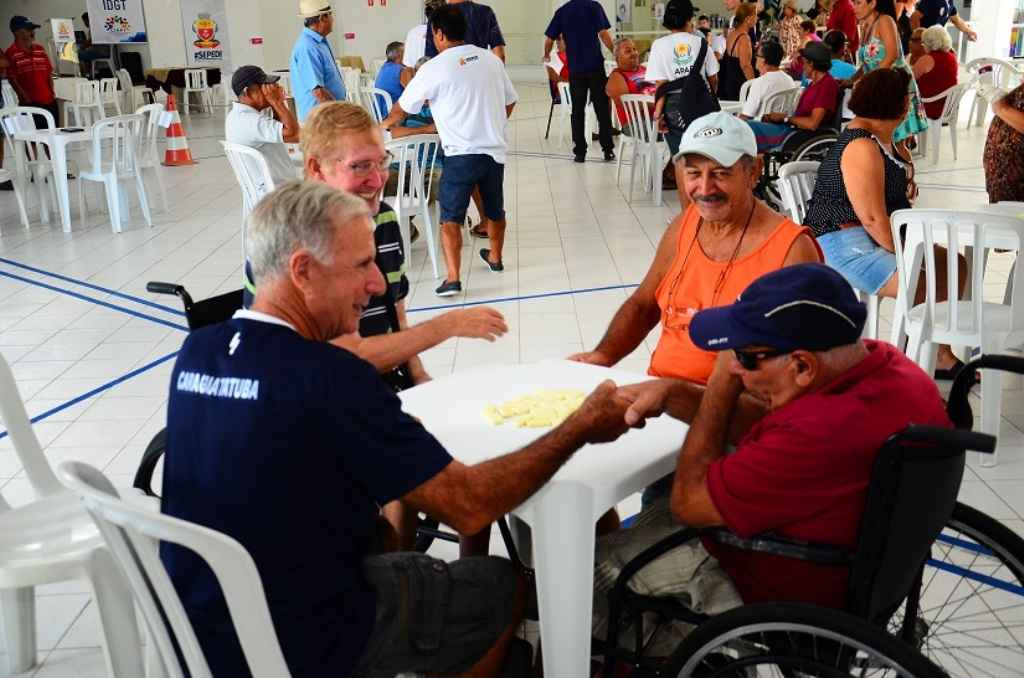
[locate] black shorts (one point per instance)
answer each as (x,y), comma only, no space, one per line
(463,173)
(434,616)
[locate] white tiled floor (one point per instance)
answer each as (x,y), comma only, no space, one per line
(570,230)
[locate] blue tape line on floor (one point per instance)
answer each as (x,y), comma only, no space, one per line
(98,390)
(526,297)
(98,288)
(82,297)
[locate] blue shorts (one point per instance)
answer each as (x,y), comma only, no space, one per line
(852,252)
(463,173)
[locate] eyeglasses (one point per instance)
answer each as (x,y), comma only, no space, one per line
(367,167)
(751,360)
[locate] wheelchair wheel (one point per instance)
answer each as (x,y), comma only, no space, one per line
(790,639)
(971,618)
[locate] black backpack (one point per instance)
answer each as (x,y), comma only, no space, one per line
(689,97)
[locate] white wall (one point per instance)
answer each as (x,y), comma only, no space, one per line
(374,27)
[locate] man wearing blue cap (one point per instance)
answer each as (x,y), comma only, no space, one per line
(809,404)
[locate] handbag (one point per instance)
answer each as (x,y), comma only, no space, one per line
(689,97)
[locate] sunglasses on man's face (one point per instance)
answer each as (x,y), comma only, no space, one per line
(751,360)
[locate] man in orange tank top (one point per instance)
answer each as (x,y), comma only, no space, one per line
(725,240)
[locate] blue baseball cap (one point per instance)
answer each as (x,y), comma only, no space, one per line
(19,22)
(809,307)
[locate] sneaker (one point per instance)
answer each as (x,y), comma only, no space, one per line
(6,186)
(609,156)
(495,268)
(579,157)
(449,288)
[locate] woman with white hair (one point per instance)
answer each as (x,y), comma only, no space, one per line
(937,70)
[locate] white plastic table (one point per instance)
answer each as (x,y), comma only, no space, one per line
(562,514)
(57,141)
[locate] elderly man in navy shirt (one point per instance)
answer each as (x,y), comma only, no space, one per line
(584,26)
(291,445)
(482,29)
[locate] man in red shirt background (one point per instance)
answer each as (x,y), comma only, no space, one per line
(810,404)
(30,70)
(842,18)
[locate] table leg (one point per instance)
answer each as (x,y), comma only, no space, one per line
(563,554)
(60,172)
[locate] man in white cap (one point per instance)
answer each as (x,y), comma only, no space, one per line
(315,75)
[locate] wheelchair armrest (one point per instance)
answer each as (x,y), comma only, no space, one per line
(958,408)
(649,555)
(777,546)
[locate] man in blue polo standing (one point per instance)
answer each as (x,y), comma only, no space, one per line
(584,25)
(315,74)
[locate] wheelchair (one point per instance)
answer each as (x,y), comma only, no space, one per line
(798,145)
(934,589)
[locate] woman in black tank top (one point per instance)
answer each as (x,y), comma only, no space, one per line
(736,67)
(860,184)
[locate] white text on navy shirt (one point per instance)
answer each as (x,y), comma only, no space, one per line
(219,387)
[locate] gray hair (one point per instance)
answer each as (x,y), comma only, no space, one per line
(619,42)
(314,20)
(422,60)
(297,215)
(936,39)
(394,50)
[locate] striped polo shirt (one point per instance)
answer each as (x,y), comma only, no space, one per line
(390,261)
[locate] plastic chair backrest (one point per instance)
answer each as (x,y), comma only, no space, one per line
(195,78)
(924,229)
(997,72)
(133,533)
(415,156)
(951,107)
(745,90)
(149,132)
(796,182)
(108,88)
(252,172)
(914,485)
(87,93)
(376,65)
(350,77)
(378,102)
(124,80)
(781,102)
(21,119)
(114,145)
(26,445)
(639,117)
(10,97)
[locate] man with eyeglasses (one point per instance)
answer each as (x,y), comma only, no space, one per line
(808,404)
(771,81)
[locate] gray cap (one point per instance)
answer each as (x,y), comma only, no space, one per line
(720,136)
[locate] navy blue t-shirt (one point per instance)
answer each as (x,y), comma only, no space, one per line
(289,446)
(579,22)
(482,28)
(935,12)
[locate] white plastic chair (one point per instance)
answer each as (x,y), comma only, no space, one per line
(780,102)
(10,97)
(110,95)
(87,109)
(415,156)
(148,152)
(133,535)
(135,96)
(53,540)
(972,322)
(7,175)
(353,86)
(113,158)
(745,90)
(649,153)
(796,183)
(195,83)
(998,73)
(565,112)
(950,118)
(372,98)
(253,175)
(375,67)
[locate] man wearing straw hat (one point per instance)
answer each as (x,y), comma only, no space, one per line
(315,75)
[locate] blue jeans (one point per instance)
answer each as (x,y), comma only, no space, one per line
(463,173)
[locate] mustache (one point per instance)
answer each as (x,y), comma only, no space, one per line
(709,197)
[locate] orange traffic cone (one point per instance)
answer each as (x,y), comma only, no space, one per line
(177,153)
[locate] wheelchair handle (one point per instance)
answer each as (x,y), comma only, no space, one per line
(951,439)
(959,408)
(157,287)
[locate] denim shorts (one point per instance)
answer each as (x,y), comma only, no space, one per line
(463,173)
(852,252)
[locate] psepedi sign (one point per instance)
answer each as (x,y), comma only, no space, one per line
(206,32)
(116,21)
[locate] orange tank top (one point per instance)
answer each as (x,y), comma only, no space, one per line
(703,283)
